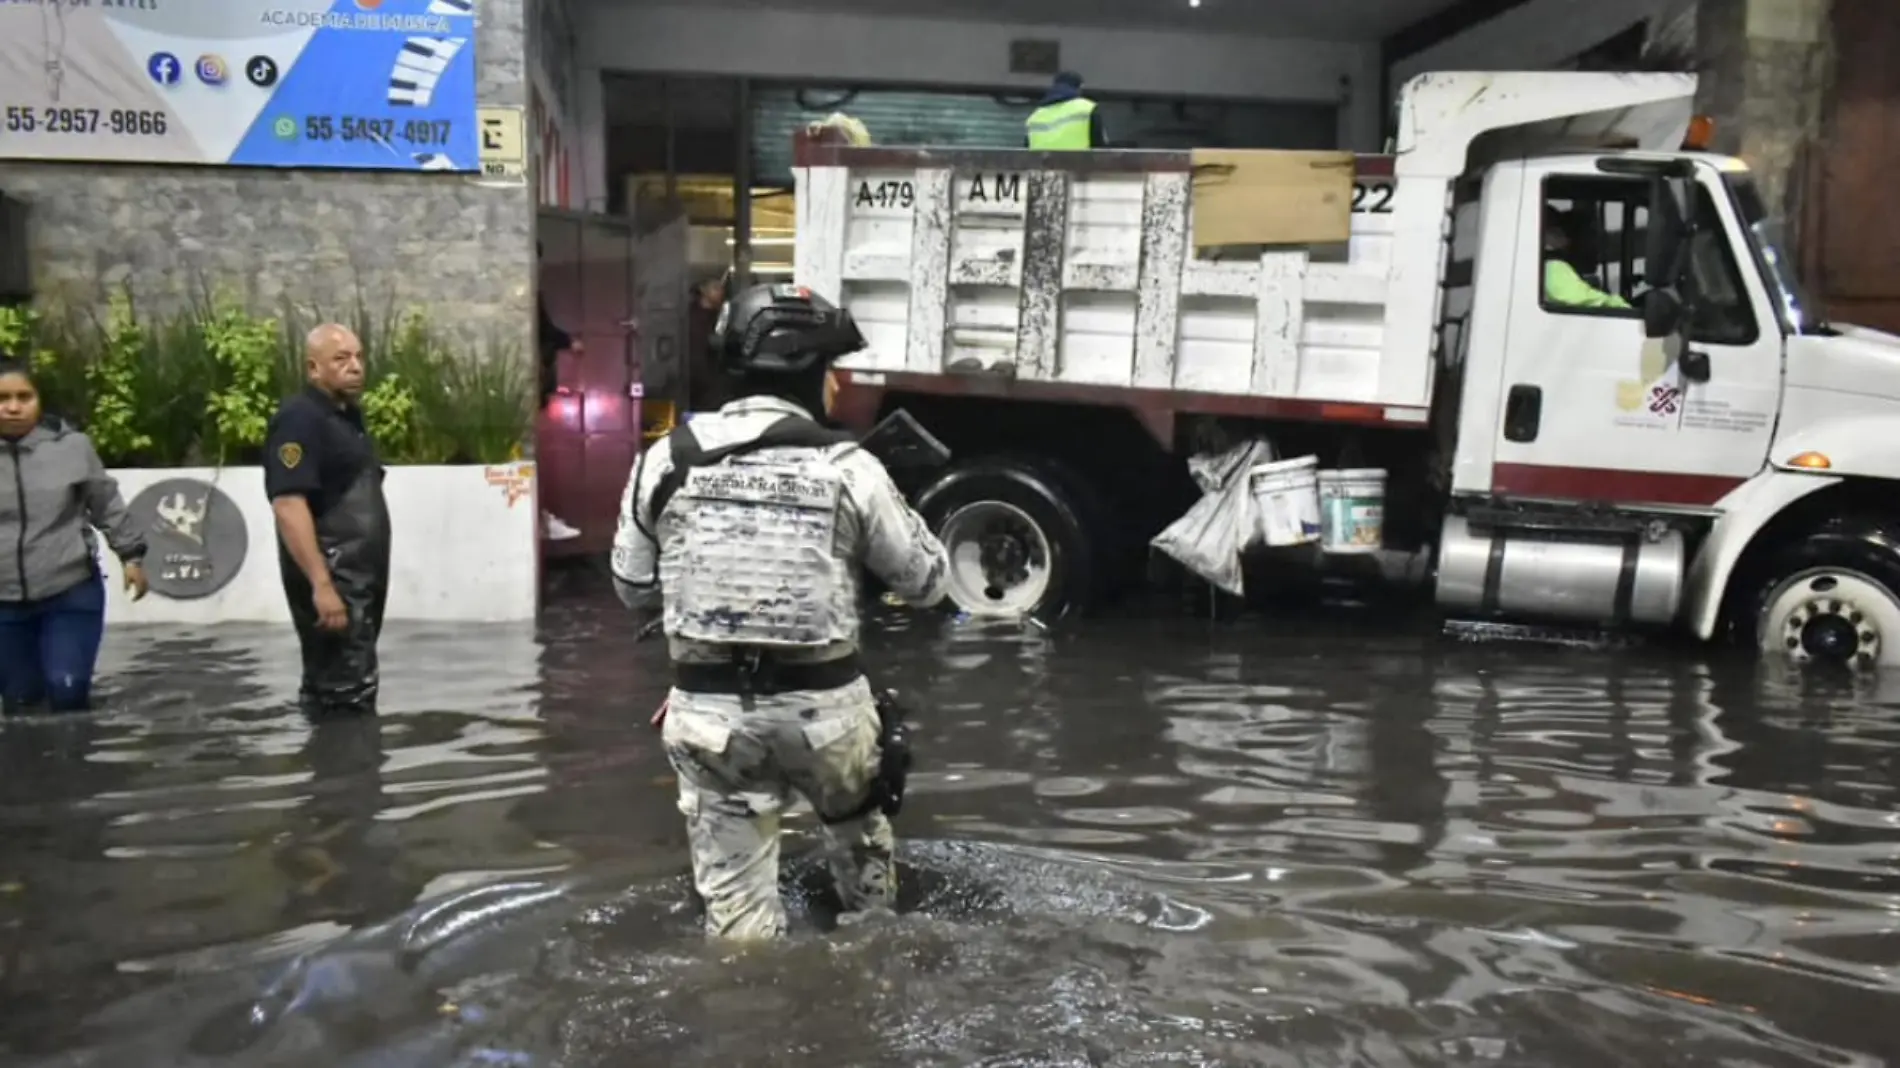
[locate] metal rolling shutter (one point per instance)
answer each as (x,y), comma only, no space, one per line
(906,117)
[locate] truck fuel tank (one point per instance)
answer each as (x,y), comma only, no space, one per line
(1597,577)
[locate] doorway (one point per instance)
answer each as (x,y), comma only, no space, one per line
(588,433)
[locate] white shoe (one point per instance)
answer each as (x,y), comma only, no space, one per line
(554,528)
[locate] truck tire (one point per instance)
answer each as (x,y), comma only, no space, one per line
(1021,534)
(1831,596)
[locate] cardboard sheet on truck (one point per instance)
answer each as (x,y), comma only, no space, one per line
(1265,197)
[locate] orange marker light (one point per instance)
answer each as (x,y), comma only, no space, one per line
(1812,461)
(1701,134)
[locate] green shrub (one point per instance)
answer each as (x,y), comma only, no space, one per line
(243,353)
(198,385)
(116,412)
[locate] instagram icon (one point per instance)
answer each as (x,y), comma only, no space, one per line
(211,70)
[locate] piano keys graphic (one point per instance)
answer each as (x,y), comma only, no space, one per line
(418,67)
(434,161)
(452,7)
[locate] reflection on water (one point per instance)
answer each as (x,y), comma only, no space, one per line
(1129,844)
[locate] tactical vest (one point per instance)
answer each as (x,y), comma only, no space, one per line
(752,557)
(1061,127)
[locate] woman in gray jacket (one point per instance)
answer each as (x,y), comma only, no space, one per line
(53,491)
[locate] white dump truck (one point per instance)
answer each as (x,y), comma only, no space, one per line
(1671,436)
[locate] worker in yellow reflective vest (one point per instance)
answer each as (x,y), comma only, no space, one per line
(1564,285)
(1065,120)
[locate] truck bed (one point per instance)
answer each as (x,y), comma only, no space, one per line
(1074,271)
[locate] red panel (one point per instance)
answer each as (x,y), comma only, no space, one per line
(561,473)
(590,432)
(607,460)
(562,416)
(858,396)
(1598,484)
(607,409)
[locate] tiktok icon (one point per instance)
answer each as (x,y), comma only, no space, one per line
(261,71)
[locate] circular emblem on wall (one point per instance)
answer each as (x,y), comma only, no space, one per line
(196,538)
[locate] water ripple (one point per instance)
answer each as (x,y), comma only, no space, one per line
(1127,844)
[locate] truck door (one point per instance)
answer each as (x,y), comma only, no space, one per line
(1591,409)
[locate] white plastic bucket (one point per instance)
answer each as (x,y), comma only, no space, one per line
(1352,510)
(1286,500)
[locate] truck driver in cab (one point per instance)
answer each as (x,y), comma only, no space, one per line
(1564,285)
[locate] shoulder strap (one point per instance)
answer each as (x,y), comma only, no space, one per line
(790,432)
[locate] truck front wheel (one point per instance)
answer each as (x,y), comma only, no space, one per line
(1833,596)
(1019,537)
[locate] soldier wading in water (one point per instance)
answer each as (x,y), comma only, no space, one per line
(751,524)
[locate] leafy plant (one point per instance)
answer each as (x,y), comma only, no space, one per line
(244,352)
(410,366)
(389,413)
(19,331)
(493,395)
(30,337)
(432,401)
(199,384)
(113,378)
(171,381)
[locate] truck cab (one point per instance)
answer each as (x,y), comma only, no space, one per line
(1684,440)
(1576,348)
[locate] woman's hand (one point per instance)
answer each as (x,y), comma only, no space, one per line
(135,583)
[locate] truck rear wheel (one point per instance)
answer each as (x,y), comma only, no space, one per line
(1832,596)
(1020,535)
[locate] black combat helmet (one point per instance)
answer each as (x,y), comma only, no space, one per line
(782,329)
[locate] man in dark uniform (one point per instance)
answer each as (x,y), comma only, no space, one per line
(550,340)
(325,484)
(706,380)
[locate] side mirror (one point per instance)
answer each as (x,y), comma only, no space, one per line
(1662,314)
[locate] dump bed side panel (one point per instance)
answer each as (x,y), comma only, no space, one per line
(1076,268)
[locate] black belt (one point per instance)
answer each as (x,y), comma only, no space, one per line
(765,676)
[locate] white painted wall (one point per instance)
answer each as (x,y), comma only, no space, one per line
(464,552)
(947,52)
(1536,36)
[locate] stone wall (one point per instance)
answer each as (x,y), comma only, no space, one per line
(1765,67)
(461,251)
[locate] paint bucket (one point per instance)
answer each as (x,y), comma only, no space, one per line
(1286,500)
(1352,510)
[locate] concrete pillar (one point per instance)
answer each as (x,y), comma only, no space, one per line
(450,245)
(1764,68)
(590,114)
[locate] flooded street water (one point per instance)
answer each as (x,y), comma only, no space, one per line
(1164,842)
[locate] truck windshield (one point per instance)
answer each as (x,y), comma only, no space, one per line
(1767,239)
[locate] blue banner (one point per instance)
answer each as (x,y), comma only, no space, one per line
(357,84)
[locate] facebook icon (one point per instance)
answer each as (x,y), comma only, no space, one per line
(164,68)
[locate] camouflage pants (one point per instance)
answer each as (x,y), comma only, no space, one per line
(741,761)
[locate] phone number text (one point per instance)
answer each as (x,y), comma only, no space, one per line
(116,122)
(351,129)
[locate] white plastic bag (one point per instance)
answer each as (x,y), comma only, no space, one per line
(1208,540)
(1214,470)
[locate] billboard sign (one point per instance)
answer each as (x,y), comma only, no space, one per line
(357,84)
